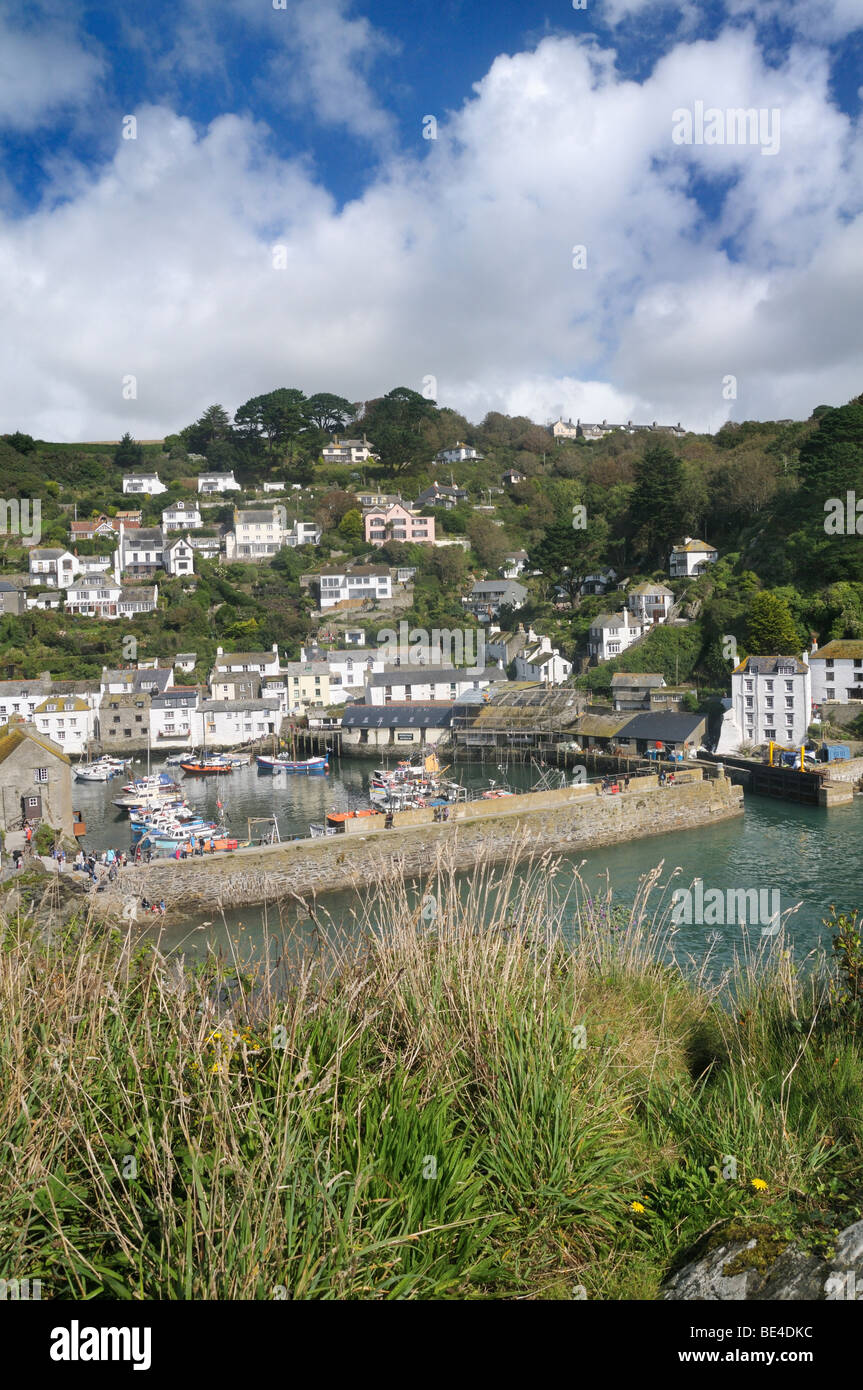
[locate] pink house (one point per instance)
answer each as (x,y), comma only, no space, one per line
(396,523)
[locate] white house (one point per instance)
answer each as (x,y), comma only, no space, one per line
(171,716)
(67,719)
(46,600)
(181,516)
(21,697)
(180,557)
(362,582)
(347,450)
(458,453)
(564,429)
(90,565)
(257,535)
(240,663)
(611,633)
(542,662)
(837,672)
(277,487)
(227,723)
(94,597)
(218,482)
(513,564)
(302,533)
(690,558)
(652,603)
(54,567)
(404,684)
(598,583)
(771,699)
(143,482)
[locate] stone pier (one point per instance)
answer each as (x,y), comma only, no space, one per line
(568,821)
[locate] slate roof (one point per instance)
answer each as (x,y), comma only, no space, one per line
(840,650)
(434,714)
(663,728)
(769,665)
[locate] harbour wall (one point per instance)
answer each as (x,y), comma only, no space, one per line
(568,820)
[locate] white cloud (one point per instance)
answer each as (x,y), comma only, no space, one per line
(816,20)
(457,261)
(43,70)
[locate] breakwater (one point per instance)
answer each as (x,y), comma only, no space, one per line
(567,820)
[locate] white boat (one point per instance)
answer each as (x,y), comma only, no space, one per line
(93,772)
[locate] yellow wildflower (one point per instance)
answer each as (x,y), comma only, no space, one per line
(637,1207)
(759,1184)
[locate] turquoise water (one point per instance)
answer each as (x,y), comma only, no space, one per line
(810,856)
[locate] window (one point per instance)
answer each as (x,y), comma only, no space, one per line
(40,774)
(769,733)
(829,663)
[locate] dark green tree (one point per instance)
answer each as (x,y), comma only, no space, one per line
(128,454)
(770,628)
(657,505)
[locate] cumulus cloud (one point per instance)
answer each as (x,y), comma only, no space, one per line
(458,261)
(44,68)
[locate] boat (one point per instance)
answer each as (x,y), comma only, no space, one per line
(337,819)
(93,772)
(207,767)
(277,765)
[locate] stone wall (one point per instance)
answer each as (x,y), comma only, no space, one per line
(566,821)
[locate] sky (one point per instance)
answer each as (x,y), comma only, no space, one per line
(524,207)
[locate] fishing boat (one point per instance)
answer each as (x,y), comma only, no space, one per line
(207,767)
(338,819)
(93,772)
(276,765)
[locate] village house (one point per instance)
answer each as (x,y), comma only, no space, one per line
(489,596)
(36,779)
(347,450)
(138,599)
(94,597)
(67,720)
(101,525)
(361,583)
(397,523)
(402,726)
(257,535)
(92,566)
(185,662)
(171,716)
(12,599)
(650,602)
(143,481)
(638,690)
(140,553)
(241,685)
(513,476)
(611,633)
(405,684)
(302,533)
(208,546)
(599,583)
(771,700)
(541,662)
(307,686)
(662,733)
(278,487)
(44,599)
(690,558)
(374,498)
(127,680)
(445,495)
(179,557)
(459,453)
(52,567)
(837,672)
(564,429)
(218,482)
(513,564)
(181,516)
(229,723)
(124,721)
(258,663)
(591,432)
(20,697)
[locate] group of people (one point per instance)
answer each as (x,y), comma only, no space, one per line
(441,813)
(159,907)
(107,865)
(666,779)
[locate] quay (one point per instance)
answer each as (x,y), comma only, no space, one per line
(568,820)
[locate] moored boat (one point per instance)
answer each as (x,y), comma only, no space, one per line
(277,765)
(207,767)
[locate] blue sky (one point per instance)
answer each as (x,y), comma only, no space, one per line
(406,258)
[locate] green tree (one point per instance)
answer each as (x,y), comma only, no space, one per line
(327,412)
(770,628)
(657,501)
(128,454)
(395,423)
(566,555)
(351,525)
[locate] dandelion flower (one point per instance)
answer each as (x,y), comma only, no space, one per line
(759,1184)
(637,1207)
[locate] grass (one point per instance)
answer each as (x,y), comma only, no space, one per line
(442,1109)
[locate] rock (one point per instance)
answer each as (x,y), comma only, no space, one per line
(767,1268)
